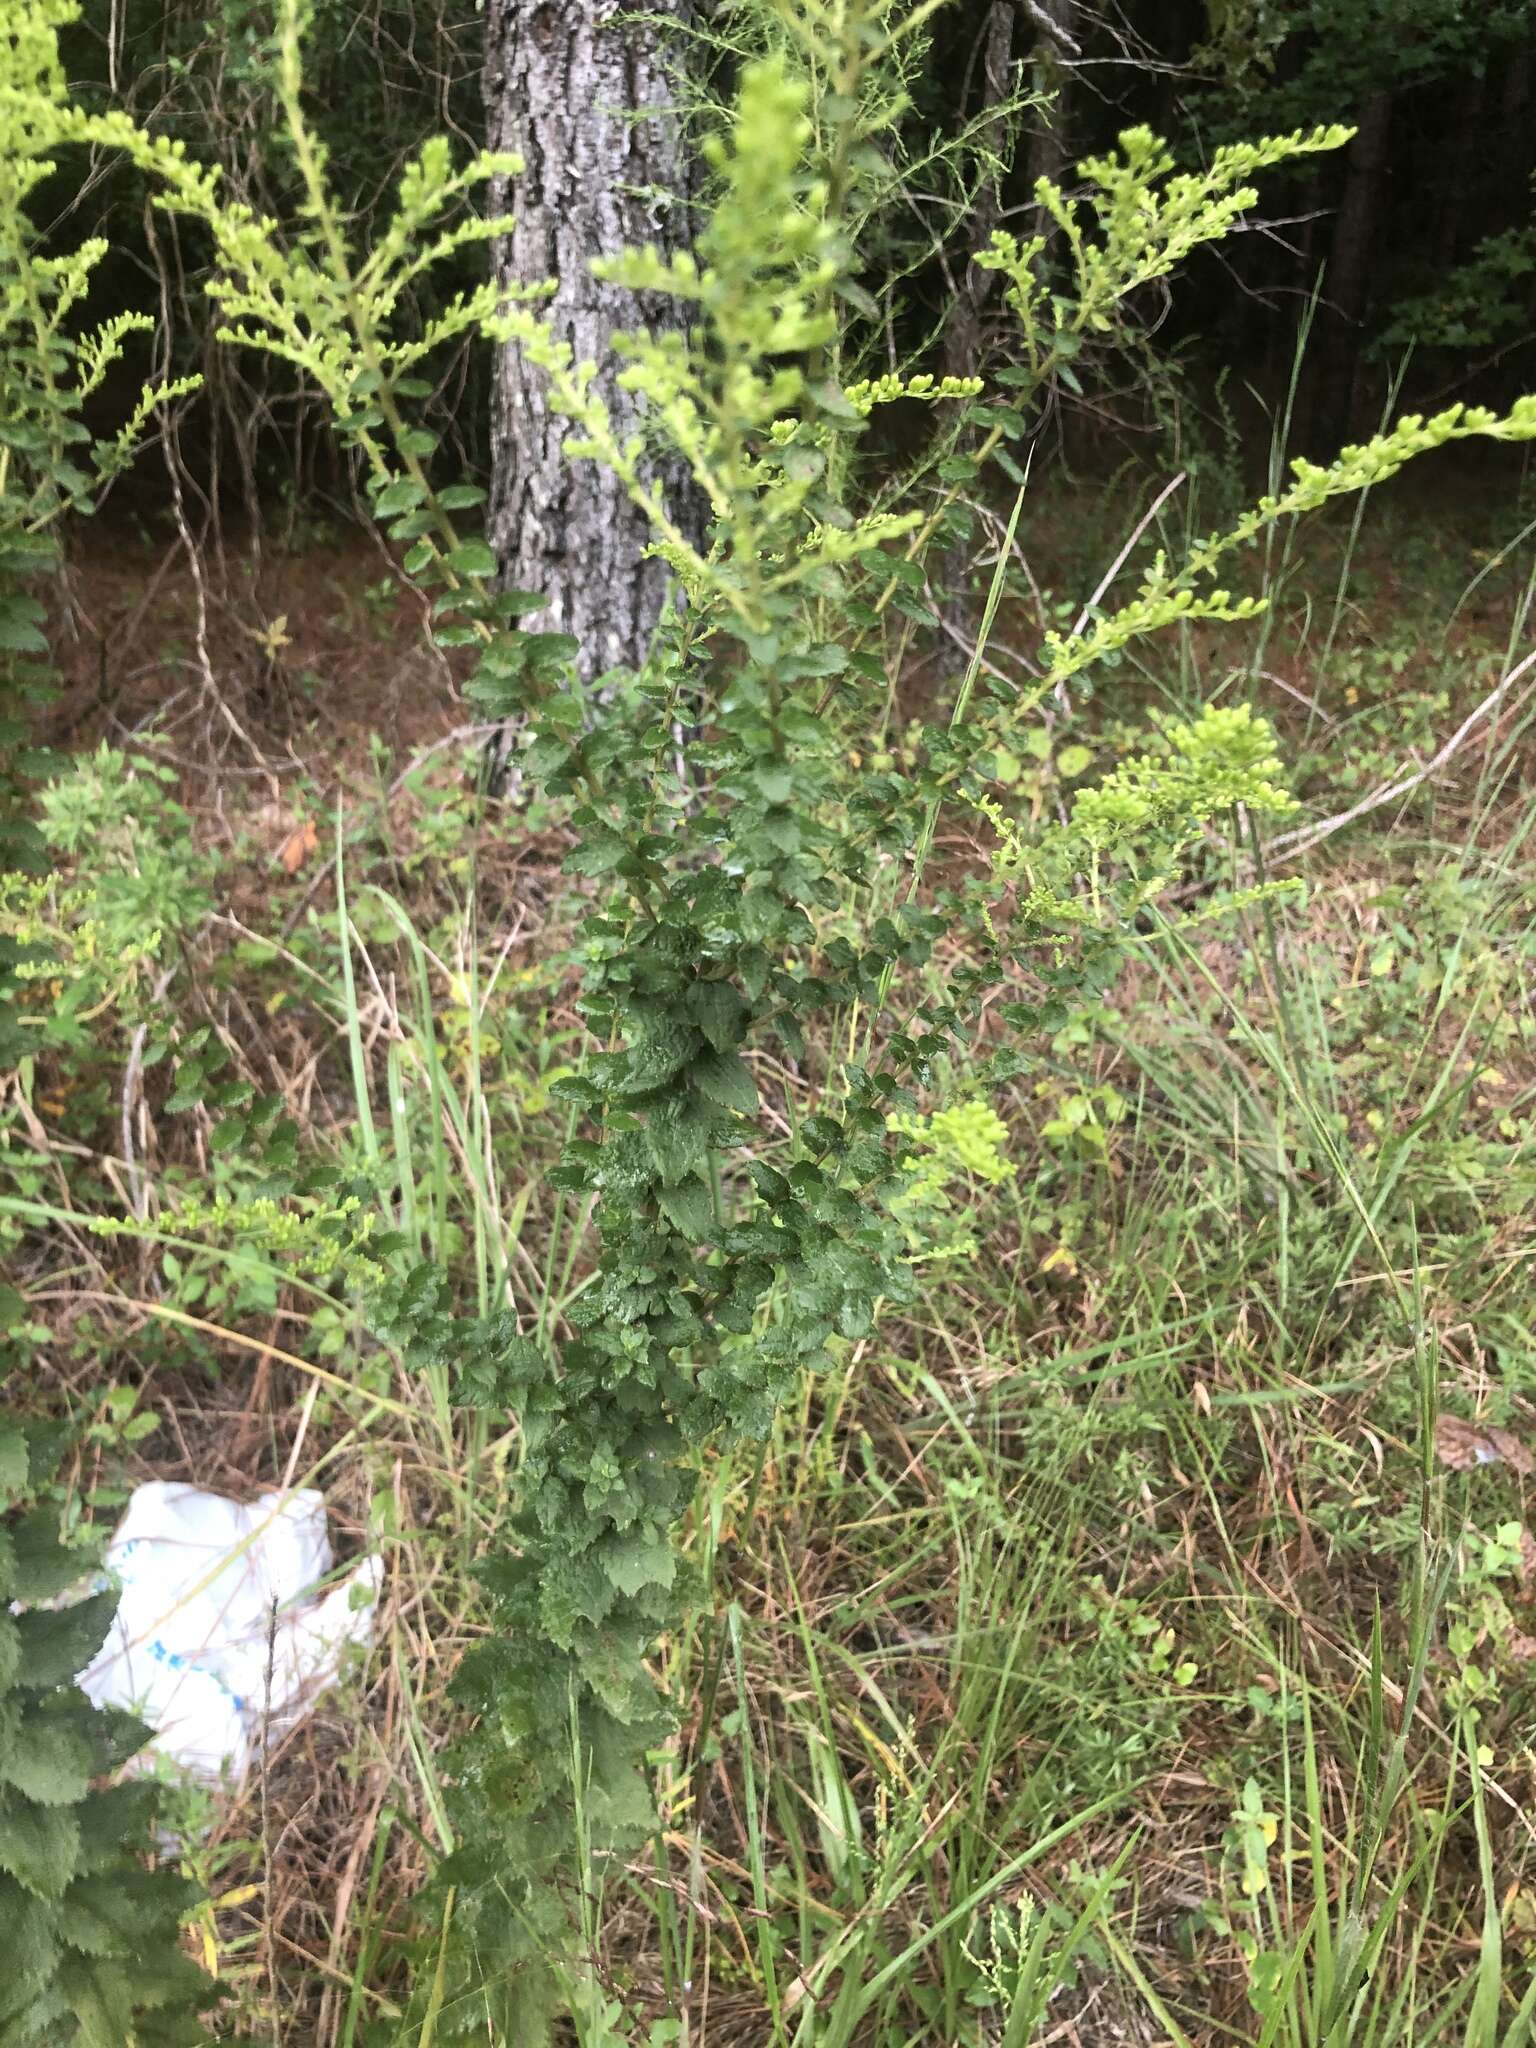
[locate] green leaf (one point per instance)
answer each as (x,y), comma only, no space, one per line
(678,1135)
(41,1566)
(58,1643)
(39,1845)
(403,495)
(48,1760)
(472,558)
(31,1952)
(920,614)
(690,1207)
(102,2003)
(639,1561)
(719,1011)
(855,295)
(13,1460)
(830,399)
(17,635)
(726,1079)
(781,828)
(598,853)
(106,1916)
(775,781)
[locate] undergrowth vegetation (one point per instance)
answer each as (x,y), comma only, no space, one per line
(916,1266)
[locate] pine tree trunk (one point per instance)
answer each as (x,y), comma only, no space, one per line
(582,92)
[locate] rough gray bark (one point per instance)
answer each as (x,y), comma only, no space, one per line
(580,89)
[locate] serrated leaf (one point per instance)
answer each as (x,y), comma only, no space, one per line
(41,1567)
(102,1914)
(719,1011)
(599,852)
(690,1207)
(496,696)
(39,1845)
(920,614)
(678,1137)
(114,1818)
(17,636)
(726,1079)
(58,1642)
(500,1379)
(31,1952)
(638,1561)
(48,1761)
(103,2009)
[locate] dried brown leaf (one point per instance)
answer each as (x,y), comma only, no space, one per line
(1464,1445)
(301,842)
(1508,1446)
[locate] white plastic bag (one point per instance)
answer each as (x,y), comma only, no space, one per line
(218,1635)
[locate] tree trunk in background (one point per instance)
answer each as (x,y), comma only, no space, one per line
(1467,134)
(962,335)
(1051,76)
(583,93)
(1516,149)
(1351,264)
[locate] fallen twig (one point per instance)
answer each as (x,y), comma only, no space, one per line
(1302,838)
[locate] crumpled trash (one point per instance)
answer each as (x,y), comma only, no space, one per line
(219,1639)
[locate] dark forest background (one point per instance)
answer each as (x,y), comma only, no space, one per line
(1406,261)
